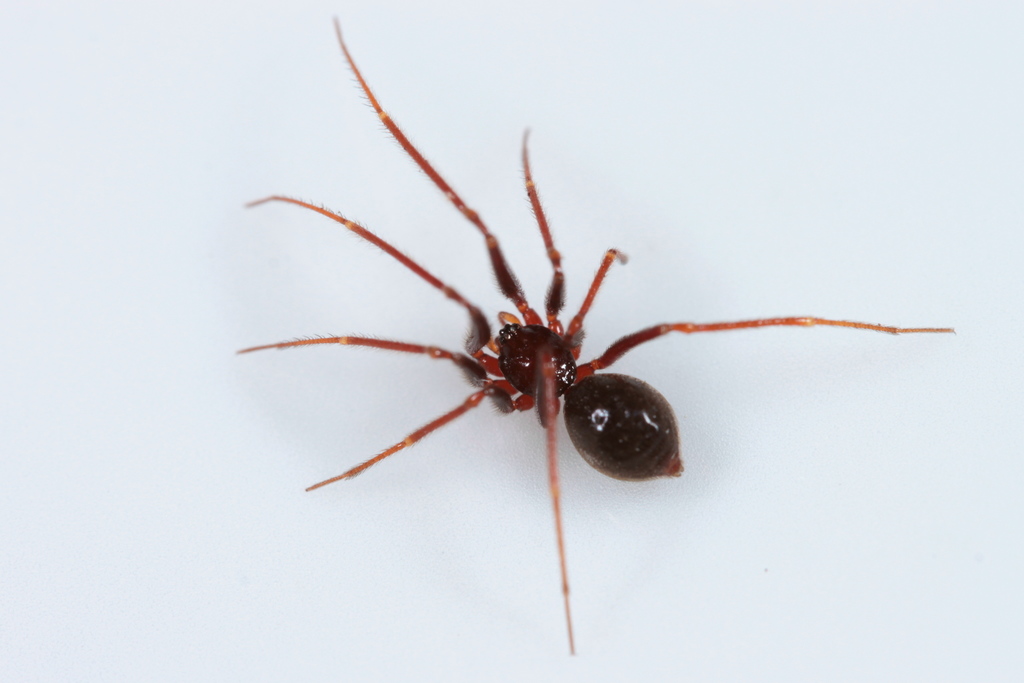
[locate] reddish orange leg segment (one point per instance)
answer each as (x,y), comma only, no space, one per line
(473,370)
(610,257)
(506,278)
(481,330)
(627,343)
(472,402)
(555,299)
(490,363)
(547,398)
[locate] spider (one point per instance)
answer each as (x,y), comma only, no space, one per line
(621,425)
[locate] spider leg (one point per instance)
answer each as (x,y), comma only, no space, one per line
(473,370)
(507,281)
(489,362)
(481,330)
(472,402)
(576,325)
(547,408)
(555,299)
(627,343)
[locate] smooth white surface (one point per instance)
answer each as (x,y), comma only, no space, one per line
(852,503)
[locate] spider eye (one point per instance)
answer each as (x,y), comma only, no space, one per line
(508,332)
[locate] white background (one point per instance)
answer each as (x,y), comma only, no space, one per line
(852,502)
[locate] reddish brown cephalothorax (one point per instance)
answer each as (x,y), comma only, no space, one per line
(620,425)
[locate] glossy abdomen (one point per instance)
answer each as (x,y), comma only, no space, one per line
(623,427)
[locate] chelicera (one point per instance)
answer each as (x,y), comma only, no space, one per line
(621,425)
